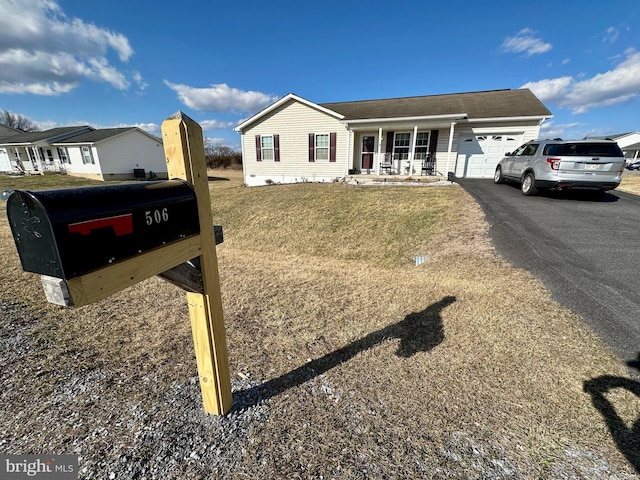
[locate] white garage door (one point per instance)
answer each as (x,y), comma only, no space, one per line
(478,155)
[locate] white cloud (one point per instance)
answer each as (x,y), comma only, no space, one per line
(215,125)
(525,41)
(44,52)
(215,141)
(618,85)
(221,98)
(142,85)
(550,130)
(611,35)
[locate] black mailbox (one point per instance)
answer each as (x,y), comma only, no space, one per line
(69,232)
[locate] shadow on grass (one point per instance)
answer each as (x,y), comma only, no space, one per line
(626,438)
(218,179)
(418,332)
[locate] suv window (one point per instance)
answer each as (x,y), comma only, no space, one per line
(552,149)
(527,149)
(595,149)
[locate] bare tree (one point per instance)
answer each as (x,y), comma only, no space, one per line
(221,156)
(18,121)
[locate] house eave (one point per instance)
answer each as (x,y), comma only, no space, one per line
(510,119)
(421,118)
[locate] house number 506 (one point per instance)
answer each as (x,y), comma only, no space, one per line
(156,216)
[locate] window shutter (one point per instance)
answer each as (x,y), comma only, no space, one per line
(258,149)
(433,141)
(389,148)
(332,147)
(276,147)
(312,146)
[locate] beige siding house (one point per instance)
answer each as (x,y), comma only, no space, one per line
(464,135)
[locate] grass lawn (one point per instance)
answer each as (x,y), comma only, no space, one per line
(364,365)
(630,183)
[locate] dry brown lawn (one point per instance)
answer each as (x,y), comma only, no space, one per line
(630,183)
(370,366)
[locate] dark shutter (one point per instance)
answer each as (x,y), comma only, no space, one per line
(433,141)
(258,149)
(312,146)
(389,142)
(332,147)
(276,148)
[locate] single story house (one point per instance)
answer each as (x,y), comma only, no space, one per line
(462,135)
(629,143)
(101,154)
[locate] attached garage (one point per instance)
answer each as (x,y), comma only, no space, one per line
(478,155)
(459,134)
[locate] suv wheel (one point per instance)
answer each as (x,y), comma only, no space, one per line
(528,185)
(497,177)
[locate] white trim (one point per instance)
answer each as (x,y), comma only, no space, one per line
(509,119)
(455,116)
(412,151)
(379,151)
(449,147)
(346,152)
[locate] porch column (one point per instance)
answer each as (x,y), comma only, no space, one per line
(36,155)
(18,160)
(412,152)
(379,151)
(451,130)
(347,150)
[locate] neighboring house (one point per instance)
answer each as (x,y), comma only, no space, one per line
(629,143)
(5,162)
(103,154)
(31,152)
(114,154)
(466,134)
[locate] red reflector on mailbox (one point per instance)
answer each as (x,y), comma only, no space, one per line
(121,224)
(67,233)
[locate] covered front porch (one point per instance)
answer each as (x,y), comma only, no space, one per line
(421,147)
(32,158)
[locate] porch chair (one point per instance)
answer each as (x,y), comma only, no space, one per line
(428,165)
(386,163)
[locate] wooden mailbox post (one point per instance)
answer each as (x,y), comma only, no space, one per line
(184,151)
(92,242)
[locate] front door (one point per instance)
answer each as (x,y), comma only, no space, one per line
(367,152)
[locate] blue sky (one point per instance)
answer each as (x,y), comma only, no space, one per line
(115,63)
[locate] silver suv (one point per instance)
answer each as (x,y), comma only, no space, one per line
(595,165)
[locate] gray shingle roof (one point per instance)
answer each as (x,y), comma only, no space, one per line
(488,104)
(49,135)
(96,135)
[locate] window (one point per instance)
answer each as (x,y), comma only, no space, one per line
(401,143)
(422,145)
(526,149)
(268,147)
(63,155)
(322,146)
(87,156)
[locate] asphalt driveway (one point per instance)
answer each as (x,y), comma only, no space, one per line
(586,251)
